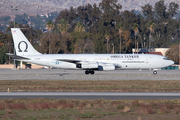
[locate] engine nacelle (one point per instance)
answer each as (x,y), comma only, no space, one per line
(106,67)
(87,65)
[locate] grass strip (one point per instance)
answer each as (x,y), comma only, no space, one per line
(91,85)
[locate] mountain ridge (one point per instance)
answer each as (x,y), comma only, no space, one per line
(47,6)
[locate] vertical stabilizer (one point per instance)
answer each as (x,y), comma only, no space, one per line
(22,46)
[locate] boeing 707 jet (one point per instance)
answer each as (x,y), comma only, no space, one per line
(89,62)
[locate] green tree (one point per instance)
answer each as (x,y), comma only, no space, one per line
(110,10)
(163,31)
(136,30)
(148,11)
(173,53)
(50,26)
(173,9)
(63,26)
(22,19)
(99,20)
(151,28)
(160,10)
(3,49)
(3,57)
(107,36)
(78,37)
(120,27)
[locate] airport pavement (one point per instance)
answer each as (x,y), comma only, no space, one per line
(59,74)
(90,95)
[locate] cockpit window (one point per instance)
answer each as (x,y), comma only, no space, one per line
(166,58)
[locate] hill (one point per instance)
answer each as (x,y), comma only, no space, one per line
(46,6)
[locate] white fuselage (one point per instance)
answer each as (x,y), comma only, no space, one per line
(89,62)
(125,61)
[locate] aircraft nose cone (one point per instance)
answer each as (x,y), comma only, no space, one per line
(171,62)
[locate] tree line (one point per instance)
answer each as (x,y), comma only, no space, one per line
(99,28)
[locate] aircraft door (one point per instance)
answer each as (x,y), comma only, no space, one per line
(147,61)
(163,63)
(148,64)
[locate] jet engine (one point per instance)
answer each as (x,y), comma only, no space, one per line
(87,65)
(106,67)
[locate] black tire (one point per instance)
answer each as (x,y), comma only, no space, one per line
(154,72)
(92,72)
(86,72)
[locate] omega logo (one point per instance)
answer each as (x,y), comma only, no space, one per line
(22,46)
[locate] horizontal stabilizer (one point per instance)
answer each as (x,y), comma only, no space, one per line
(16,56)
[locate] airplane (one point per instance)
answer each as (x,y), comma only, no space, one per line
(89,62)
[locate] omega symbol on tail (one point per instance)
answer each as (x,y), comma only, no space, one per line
(22,46)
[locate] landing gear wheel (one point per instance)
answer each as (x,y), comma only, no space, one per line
(86,72)
(92,72)
(154,72)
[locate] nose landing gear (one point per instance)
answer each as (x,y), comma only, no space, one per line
(154,72)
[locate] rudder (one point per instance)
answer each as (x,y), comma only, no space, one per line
(22,46)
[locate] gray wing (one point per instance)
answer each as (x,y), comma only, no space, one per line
(69,60)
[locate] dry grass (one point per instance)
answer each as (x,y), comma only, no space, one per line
(126,109)
(91,85)
(88,109)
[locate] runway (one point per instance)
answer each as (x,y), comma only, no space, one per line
(59,74)
(90,95)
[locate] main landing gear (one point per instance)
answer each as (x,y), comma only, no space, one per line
(89,71)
